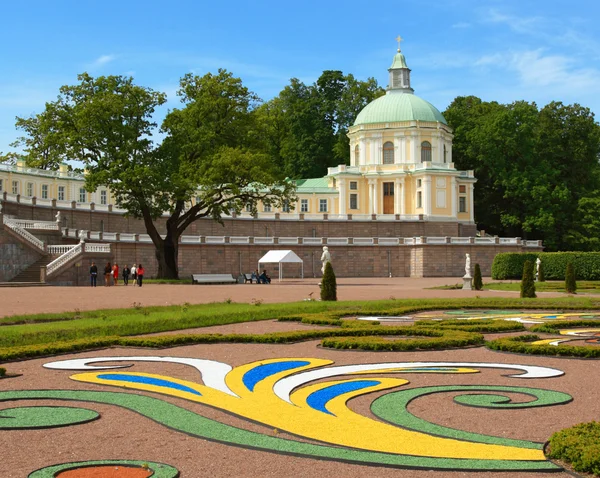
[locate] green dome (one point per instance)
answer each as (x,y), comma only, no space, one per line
(394,107)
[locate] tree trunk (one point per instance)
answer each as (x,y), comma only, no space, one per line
(167,257)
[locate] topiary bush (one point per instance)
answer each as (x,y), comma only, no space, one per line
(541,275)
(2,372)
(570,282)
(328,284)
(578,446)
(527,283)
(477,280)
(509,265)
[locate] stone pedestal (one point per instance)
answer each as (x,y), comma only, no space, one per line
(467,282)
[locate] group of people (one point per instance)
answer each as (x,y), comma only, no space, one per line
(111,274)
(261,278)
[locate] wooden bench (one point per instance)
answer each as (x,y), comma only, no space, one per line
(213,279)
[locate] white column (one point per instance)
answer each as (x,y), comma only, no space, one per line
(414,150)
(398,194)
(449,153)
(343,199)
(440,149)
(363,151)
(427,195)
(453,205)
(370,196)
(375,197)
(470,205)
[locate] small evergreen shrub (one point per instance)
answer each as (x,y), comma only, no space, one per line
(328,284)
(2,372)
(579,446)
(477,280)
(527,283)
(541,276)
(570,283)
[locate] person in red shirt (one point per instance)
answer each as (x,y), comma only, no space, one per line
(140,274)
(115,273)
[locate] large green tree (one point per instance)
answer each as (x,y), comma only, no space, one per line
(534,167)
(305,127)
(209,162)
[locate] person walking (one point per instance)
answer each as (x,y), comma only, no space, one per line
(93,274)
(140,274)
(126,272)
(115,273)
(107,274)
(134,274)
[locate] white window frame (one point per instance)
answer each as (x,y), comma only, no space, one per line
(30,189)
(419,200)
(323,205)
(462,204)
(303,205)
(15,187)
(286,206)
(103,197)
(44,191)
(350,202)
(61,193)
(419,183)
(82,194)
(248,208)
(388,153)
(1,185)
(354,185)
(266,208)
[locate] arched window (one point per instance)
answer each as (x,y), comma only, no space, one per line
(388,153)
(356,155)
(445,152)
(425,151)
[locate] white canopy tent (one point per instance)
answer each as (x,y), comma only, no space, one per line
(281,257)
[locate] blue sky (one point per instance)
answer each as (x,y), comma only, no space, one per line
(498,50)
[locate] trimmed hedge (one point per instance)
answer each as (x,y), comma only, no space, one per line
(485,326)
(554,327)
(2,372)
(527,283)
(522,345)
(509,265)
(578,446)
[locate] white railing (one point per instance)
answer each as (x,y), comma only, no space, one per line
(409,241)
(289,216)
(508,240)
(60,261)
(460,240)
(145,238)
(362,217)
(264,240)
(91,247)
(34,241)
(59,249)
(191,239)
(386,217)
(485,240)
(337,241)
(386,241)
(436,240)
(214,240)
(288,240)
(126,237)
(109,236)
(337,217)
(312,241)
(365,241)
(28,224)
(95,235)
(239,240)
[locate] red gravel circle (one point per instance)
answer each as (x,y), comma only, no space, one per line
(106,471)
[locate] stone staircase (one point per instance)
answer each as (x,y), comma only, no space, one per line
(31,275)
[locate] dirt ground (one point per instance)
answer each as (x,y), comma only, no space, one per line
(123,434)
(29,300)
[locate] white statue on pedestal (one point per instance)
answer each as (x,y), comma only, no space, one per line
(82,236)
(538,262)
(57,217)
(325,258)
(467,265)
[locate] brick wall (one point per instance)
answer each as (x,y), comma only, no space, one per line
(14,255)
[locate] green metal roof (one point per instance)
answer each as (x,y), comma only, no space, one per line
(398,106)
(314,185)
(399,61)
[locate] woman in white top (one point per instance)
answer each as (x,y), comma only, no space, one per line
(134,274)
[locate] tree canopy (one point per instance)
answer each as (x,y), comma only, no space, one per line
(537,170)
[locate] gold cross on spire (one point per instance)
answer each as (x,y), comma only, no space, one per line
(399,39)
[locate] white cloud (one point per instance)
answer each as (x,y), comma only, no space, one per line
(103,60)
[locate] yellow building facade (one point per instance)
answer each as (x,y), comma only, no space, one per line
(400,169)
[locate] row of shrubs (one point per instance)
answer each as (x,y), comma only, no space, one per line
(522,345)
(442,337)
(509,265)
